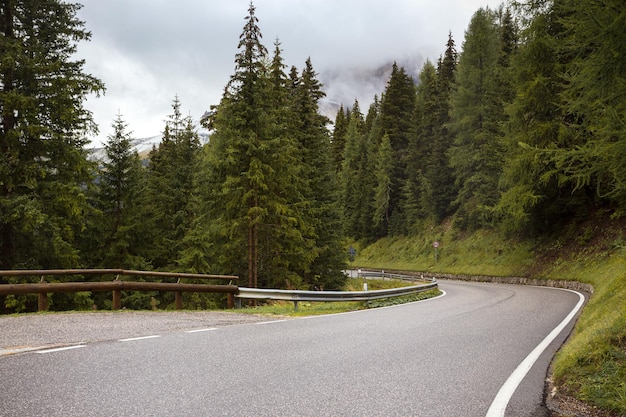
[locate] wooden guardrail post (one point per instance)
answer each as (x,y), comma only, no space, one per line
(42,298)
(117,297)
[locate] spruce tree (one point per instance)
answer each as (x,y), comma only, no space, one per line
(396,121)
(170,180)
(256,199)
(339,136)
(437,172)
(321,188)
(419,196)
(382,193)
(43,168)
(119,200)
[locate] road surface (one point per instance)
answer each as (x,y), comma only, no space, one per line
(448,356)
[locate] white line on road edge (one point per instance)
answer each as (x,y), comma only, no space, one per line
(499,404)
(201,330)
(139,338)
(61,349)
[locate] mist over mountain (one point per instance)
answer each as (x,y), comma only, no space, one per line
(344,85)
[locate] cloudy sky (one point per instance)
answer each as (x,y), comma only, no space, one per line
(149,51)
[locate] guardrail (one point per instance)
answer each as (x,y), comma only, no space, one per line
(42,288)
(323,296)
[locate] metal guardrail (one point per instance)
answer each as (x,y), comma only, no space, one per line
(324,296)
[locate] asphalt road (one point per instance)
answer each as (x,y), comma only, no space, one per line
(443,357)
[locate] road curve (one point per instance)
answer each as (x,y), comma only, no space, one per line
(443,357)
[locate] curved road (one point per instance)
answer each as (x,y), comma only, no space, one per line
(448,356)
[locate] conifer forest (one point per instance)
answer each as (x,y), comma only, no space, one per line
(518,127)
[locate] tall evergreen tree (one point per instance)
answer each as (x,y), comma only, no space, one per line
(419,196)
(171,174)
(396,121)
(532,198)
(118,198)
(43,168)
(594,96)
(382,193)
(477,113)
(320,192)
(339,136)
(256,202)
(438,174)
(355,200)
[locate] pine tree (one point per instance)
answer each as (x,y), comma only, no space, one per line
(43,168)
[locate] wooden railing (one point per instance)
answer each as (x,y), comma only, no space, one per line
(42,288)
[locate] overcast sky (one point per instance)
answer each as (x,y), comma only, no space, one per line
(148,51)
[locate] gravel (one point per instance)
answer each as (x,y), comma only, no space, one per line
(19,333)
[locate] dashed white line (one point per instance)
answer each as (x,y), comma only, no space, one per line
(131,339)
(499,404)
(201,330)
(59,349)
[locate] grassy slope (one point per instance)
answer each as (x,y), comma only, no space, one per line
(592,364)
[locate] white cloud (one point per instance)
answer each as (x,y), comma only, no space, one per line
(148,51)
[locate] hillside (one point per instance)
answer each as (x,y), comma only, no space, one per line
(591,367)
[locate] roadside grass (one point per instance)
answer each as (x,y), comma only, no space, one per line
(591,366)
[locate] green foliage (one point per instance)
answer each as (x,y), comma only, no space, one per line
(43,166)
(477,113)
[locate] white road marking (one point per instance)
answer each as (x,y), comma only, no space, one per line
(271,321)
(201,330)
(61,349)
(130,339)
(500,402)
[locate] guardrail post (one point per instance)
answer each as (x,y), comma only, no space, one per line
(230,302)
(295,306)
(42,298)
(42,301)
(117,300)
(179,300)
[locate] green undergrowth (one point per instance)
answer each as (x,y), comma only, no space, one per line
(591,366)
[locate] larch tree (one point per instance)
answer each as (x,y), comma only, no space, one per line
(477,111)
